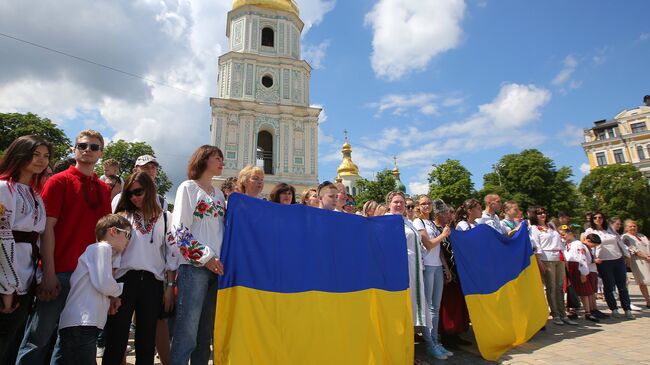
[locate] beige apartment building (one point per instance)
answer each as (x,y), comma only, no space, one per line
(623,139)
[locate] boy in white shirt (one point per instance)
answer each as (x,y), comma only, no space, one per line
(91,285)
(327,194)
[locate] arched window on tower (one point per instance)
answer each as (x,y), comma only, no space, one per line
(268,37)
(265,151)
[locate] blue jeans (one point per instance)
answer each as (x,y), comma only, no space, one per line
(195,311)
(42,327)
(78,345)
(434,281)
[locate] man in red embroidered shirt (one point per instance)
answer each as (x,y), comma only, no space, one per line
(74,200)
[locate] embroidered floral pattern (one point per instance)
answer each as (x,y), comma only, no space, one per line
(209,208)
(190,248)
(140,224)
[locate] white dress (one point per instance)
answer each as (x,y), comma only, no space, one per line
(640,266)
(21,209)
(421,315)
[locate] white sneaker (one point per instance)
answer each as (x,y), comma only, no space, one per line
(629,315)
(129,349)
(100,352)
(616,313)
(635,308)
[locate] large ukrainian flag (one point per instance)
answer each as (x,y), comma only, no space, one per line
(309,286)
(502,287)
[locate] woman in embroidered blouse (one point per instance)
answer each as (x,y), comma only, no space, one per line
(198,221)
(22,220)
(396,202)
(610,259)
(251,181)
(549,247)
(639,247)
(148,261)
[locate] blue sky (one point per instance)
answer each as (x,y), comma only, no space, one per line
(424,80)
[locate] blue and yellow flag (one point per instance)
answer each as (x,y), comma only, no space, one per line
(309,286)
(502,287)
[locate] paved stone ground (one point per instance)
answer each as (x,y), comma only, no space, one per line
(612,341)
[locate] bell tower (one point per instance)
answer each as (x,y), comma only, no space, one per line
(262,115)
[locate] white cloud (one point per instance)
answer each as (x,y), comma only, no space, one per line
(570,64)
(313,11)
(173,42)
(585,168)
(417,188)
(424,103)
(408,34)
(400,104)
(644,36)
(315,54)
(505,121)
(571,135)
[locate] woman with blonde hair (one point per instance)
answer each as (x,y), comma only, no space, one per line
(251,181)
(309,197)
(369,208)
(396,202)
(639,247)
(434,266)
(380,210)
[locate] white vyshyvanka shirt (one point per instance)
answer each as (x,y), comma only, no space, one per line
(421,314)
(198,223)
(151,248)
(21,209)
(578,252)
(91,284)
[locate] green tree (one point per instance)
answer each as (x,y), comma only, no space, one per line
(451,182)
(126,153)
(618,190)
(530,178)
(14,125)
(376,189)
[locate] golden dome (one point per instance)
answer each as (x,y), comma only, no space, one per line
(347,167)
(284,5)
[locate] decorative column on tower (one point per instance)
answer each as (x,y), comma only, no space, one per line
(399,186)
(348,172)
(262,115)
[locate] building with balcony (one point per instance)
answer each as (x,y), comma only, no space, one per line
(623,139)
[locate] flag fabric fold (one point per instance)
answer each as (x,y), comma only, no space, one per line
(309,286)
(502,287)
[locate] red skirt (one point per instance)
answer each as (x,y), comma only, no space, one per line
(582,289)
(454,317)
(593,280)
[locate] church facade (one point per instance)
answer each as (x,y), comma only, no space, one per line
(262,114)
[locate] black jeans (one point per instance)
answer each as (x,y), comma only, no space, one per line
(614,274)
(142,294)
(12,326)
(78,345)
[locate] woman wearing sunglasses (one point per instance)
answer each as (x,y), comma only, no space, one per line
(148,261)
(610,260)
(22,220)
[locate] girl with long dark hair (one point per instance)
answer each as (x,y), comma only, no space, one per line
(22,220)
(149,261)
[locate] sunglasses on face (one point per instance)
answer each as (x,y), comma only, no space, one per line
(135,192)
(410,206)
(84,146)
(126,233)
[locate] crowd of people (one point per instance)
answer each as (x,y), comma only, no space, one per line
(85,260)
